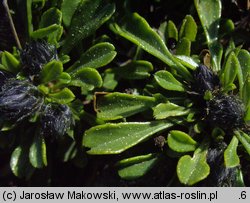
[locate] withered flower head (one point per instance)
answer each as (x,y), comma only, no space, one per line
(56,119)
(35,55)
(18,100)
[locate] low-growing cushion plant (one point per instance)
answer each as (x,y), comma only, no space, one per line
(47,78)
(159,96)
(195,107)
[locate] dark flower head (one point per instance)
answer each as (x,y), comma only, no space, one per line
(4,76)
(18,100)
(204,79)
(35,55)
(226,112)
(56,119)
(219,176)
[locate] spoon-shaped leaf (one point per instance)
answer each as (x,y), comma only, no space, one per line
(211,24)
(119,105)
(114,138)
(37,153)
(88,17)
(167,81)
(191,170)
(230,155)
(136,167)
(136,29)
(97,56)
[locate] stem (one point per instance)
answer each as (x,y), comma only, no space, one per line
(5,4)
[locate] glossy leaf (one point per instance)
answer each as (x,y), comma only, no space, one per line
(119,105)
(19,163)
(181,142)
(244,139)
(230,154)
(145,37)
(137,167)
(37,152)
(244,60)
(87,78)
(191,170)
(51,71)
(68,9)
(211,24)
(188,28)
(64,78)
(171,31)
(135,70)
(109,80)
(165,110)
(114,138)
(97,56)
(167,81)
(209,12)
(50,17)
(45,32)
(10,63)
(88,17)
(183,47)
(63,97)
(246,92)
(187,61)
(230,70)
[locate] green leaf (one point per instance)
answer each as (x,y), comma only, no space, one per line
(137,30)
(19,162)
(88,17)
(68,9)
(113,138)
(29,16)
(45,32)
(191,170)
(209,12)
(246,92)
(64,78)
(37,152)
(87,78)
(171,31)
(230,70)
(244,60)
(230,154)
(187,61)
(63,97)
(137,167)
(135,70)
(165,110)
(183,47)
(181,142)
(10,63)
(188,28)
(167,81)
(51,71)
(109,80)
(119,105)
(97,56)
(244,139)
(50,17)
